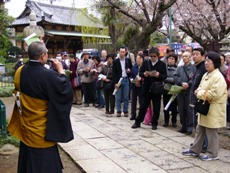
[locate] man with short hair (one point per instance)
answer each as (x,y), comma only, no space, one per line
(41,115)
(103,55)
(199,62)
(182,76)
(198,58)
(121,69)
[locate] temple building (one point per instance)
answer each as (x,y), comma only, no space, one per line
(65,29)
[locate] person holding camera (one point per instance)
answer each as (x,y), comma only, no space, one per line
(86,69)
(41,115)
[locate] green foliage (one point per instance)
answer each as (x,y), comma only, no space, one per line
(156,38)
(6,91)
(13,50)
(5,22)
(129,33)
(5,43)
(19,37)
(9,140)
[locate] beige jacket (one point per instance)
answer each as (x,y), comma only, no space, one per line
(86,77)
(215,84)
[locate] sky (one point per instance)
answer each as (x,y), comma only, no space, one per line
(15,7)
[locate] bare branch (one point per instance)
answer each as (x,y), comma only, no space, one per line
(124,12)
(145,11)
(217,15)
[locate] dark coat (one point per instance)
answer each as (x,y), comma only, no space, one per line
(117,71)
(41,83)
(195,81)
(147,66)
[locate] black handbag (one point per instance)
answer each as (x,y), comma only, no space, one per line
(157,88)
(99,84)
(108,85)
(202,106)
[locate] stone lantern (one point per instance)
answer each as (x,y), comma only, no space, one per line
(33,28)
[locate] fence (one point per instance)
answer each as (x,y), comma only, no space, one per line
(6,80)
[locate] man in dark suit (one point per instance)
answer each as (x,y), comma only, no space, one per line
(121,69)
(154,73)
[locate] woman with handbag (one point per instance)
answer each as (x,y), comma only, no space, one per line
(213,88)
(99,83)
(75,80)
(107,71)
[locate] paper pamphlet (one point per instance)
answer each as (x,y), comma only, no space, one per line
(31,38)
(119,84)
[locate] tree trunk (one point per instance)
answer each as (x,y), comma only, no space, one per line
(141,40)
(112,33)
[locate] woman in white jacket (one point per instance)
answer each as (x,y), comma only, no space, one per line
(212,85)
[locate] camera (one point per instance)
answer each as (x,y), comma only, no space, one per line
(49,60)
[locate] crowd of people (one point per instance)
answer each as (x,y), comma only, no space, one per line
(112,81)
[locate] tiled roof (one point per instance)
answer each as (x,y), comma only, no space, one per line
(57,15)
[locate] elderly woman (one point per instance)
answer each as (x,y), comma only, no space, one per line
(212,85)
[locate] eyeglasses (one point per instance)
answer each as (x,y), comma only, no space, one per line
(153,56)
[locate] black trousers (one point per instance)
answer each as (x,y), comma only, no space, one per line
(89,91)
(39,160)
(228,110)
(186,119)
(172,108)
(136,93)
(109,100)
(156,99)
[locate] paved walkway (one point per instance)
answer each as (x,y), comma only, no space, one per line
(109,145)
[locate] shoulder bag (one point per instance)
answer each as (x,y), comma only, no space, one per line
(202,106)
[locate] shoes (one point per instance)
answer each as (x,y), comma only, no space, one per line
(79,103)
(96,105)
(165,125)
(126,114)
(86,105)
(100,107)
(189,152)
(208,158)
(132,118)
(174,125)
(154,127)
(204,150)
(107,112)
(189,132)
(135,125)
(118,114)
(111,112)
(182,131)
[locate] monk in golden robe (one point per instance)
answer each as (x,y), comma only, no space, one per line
(41,115)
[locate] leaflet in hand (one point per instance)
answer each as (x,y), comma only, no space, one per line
(119,84)
(31,38)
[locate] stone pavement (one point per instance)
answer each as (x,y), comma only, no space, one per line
(108,145)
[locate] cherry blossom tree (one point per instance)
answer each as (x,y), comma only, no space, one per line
(145,14)
(206,21)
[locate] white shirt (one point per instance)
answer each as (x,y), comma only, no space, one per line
(123,74)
